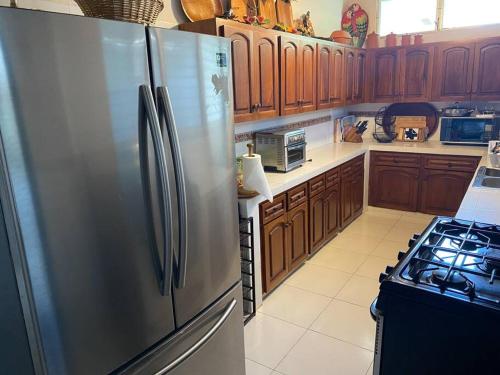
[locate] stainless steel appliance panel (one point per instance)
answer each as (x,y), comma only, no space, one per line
(191,73)
(211,344)
(70,113)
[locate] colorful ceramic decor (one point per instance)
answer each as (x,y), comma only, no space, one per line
(355,22)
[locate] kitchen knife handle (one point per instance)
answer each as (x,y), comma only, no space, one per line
(149,107)
(180,183)
(199,344)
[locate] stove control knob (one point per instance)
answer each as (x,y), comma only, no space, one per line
(389,269)
(401,255)
(382,277)
(412,240)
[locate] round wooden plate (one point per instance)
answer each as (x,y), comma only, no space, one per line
(197,10)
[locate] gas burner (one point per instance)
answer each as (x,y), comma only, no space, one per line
(455,280)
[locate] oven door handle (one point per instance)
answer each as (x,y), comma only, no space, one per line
(296,146)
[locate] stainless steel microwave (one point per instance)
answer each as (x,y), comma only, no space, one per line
(282,151)
(469,130)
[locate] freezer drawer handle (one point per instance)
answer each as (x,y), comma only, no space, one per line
(166,106)
(161,160)
(188,353)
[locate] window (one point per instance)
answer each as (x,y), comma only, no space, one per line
(407,16)
(410,16)
(458,13)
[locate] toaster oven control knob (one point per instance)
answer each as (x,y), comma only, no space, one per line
(382,277)
(401,255)
(389,269)
(412,240)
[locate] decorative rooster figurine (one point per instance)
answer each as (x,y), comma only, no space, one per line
(355,22)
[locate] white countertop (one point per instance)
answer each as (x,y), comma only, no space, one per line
(479,204)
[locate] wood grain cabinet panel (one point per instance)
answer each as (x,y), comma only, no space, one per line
(275,253)
(266,85)
(308,77)
(290,75)
(298,239)
(359,76)
(385,75)
(442,192)
(317,235)
(346,195)
(417,65)
(332,211)
(337,87)
(486,81)
(453,72)
(350,69)
(242,50)
(324,76)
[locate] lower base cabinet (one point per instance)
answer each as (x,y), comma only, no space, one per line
(432,184)
(301,221)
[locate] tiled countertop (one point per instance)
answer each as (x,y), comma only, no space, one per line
(480,204)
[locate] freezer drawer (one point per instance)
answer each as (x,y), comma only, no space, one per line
(211,344)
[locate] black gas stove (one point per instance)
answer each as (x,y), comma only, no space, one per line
(438,310)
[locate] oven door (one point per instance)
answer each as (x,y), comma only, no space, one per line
(295,155)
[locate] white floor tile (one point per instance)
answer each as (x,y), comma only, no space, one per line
(385,212)
(294,305)
(254,368)
(347,322)
(389,249)
(338,259)
(359,291)
(317,354)
(374,266)
(268,340)
(319,279)
(357,243)
(371,228)
(404,230)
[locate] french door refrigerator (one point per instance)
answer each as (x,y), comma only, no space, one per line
(119,224)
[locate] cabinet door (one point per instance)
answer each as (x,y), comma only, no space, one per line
(324,76)
(416,68)
(298,240)
(274,253)
(359,77)
(266,91)
(385,73)
(357,184)
(394,187)
(442,191)
(346,195)
(453,72)
(290,75)
(308,77)
(332,211)
(337,84)
(316,222)
(350,59)
(486,82)
(243,74)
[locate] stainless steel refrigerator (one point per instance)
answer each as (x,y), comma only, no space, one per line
(119,224)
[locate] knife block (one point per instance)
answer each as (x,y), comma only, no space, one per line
(351,136)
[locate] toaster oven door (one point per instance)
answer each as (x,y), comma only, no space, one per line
(295,155)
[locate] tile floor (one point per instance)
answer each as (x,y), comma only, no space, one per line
(318,321)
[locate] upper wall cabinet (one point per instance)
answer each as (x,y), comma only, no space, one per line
(384,75)
(486,77)
(453,70)
(354,74)
(417,64)
(330,73)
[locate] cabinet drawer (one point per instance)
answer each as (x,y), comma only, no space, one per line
(270,211)
(395,159)
(452,163)
(317,185)
(332,177)
(358,163)
(297,196)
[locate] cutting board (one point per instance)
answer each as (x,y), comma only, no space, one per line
(267,9)
(284,13)
(243,8)
(197,10)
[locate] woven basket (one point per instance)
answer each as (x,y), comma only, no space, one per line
(139,11)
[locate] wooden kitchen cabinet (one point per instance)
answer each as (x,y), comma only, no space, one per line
(486,77)
(337,87)
(298,75)
(352,190)
(349,74)
(359,76)
(276,262)
(298,240)
(317,215)
(330,86)
(442,192)
(416,69)
(452,80)
(332,211)
(384,75)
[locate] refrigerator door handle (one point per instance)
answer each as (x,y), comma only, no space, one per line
(166,212)
(199,344)
(166,107)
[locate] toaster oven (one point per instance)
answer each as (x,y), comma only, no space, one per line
(282,151)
